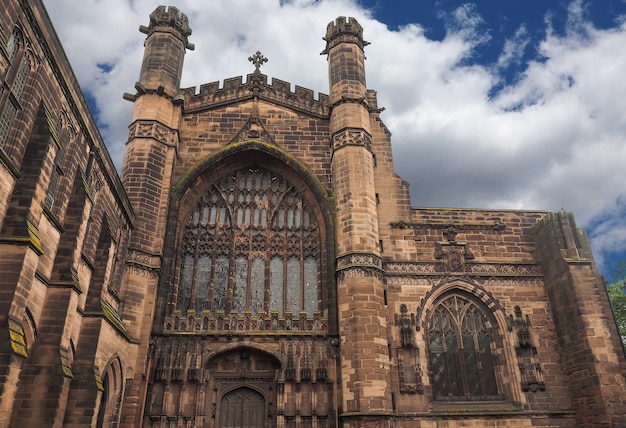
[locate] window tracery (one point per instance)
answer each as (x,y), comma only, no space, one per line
(250,245)
(462,364)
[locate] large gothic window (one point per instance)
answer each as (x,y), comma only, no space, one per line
(250,245)
(461,361)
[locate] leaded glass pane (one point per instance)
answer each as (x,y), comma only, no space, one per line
(240,288)
(452,362)
(203,283)
(221,283)
(276,285)
(13,45)
(310,286)
(186,279)
(487,363)
(20,77)
(8,113)
(293,285)
(257,285)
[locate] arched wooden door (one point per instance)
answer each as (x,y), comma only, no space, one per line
(242,408)
(243,382)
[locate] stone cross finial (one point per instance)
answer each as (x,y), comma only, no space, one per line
(257,59)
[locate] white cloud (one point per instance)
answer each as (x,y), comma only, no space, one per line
(552,139)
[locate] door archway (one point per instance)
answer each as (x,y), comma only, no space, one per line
(244,384)
(242,408)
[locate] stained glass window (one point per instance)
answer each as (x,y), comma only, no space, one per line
(250,245)
(460,356)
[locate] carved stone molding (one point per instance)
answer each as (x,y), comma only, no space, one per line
(527,270)
(143,264)
(454,255)
(495,226)
(359,259)
(516,282)
(409,370)
(154,130)
(528,362)
(351,137)
(504,269)
(415,281)
(359,272)
(409,268)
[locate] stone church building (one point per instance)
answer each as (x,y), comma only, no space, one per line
(258,263)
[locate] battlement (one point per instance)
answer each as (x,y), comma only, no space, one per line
(169,17)
(235,90)
(346,30)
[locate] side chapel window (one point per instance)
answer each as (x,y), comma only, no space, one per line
(15,79)
(460,338)
(251,244)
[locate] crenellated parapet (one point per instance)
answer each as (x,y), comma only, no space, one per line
(234,90)
(344,30)
(165,18)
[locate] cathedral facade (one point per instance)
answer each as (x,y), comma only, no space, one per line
(258,263)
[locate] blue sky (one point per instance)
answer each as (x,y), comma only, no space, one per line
(513,104)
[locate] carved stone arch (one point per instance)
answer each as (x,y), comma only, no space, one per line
(246,344)
(471,287)
(236,157)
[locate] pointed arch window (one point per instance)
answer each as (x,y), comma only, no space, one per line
(461,344)
(251,245)
(14,81)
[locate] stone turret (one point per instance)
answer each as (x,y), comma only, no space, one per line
(146,174)
(362,319)
(166,42)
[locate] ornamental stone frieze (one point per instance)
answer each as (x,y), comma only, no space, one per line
(359,259)
(351,137)
(143,264)
(359,265)
(479,269)
(495,226)
(154,130)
